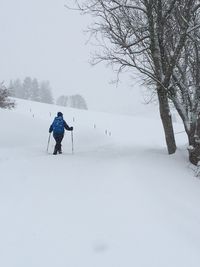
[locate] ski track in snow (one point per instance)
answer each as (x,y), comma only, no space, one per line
(118,201)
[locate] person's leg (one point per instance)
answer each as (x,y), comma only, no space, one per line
(59,143)
(56,148)
(58,138)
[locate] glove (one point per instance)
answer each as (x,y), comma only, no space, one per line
(71,128)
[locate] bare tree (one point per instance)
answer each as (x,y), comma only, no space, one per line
(45,92)
(62,101)
(137,34)
(72,101)
(185,87)
(5,102)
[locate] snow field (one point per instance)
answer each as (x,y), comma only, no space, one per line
(119,201)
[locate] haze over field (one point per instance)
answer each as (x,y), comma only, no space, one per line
(44,40)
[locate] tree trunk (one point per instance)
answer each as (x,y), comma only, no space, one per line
(194,142)
(194,148)
(166,121)
(194,154)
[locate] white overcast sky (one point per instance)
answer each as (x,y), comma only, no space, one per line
(43,39)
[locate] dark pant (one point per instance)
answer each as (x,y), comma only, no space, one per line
(58,138)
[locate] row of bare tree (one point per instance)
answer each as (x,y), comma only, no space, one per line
(161,39)
(31,89)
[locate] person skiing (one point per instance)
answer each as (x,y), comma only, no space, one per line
(58,127)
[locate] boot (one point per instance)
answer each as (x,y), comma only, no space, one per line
(55,152)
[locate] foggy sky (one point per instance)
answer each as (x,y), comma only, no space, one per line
(43,39)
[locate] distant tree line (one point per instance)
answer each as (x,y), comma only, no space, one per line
(73,101)
(31,89)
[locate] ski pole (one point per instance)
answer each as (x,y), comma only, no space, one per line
(48,142)
(72,142)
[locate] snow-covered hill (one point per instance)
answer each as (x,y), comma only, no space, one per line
(118,201)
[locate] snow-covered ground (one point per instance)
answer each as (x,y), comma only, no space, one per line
(118,201)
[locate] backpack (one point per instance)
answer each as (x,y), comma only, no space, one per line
(58,125)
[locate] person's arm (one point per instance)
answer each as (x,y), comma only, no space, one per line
(67,127)
(51,128)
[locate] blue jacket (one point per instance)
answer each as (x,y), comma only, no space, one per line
(59,125)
